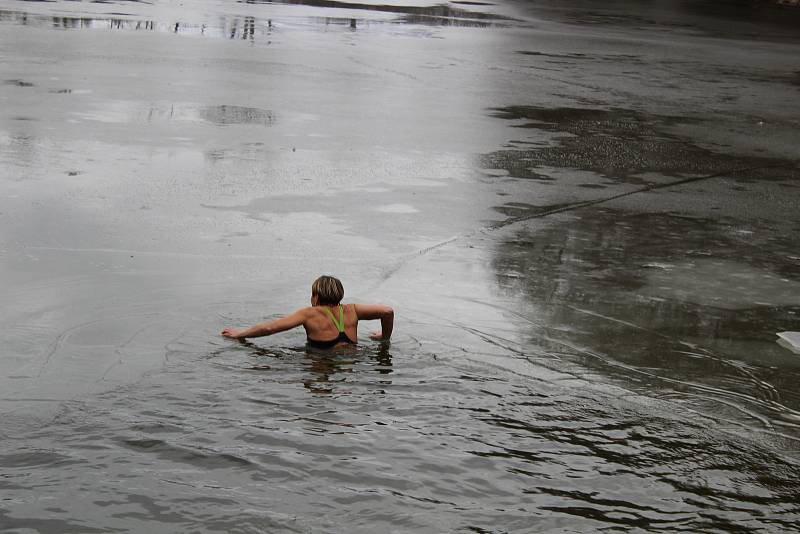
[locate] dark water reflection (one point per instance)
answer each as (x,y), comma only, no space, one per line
(327,367)
(739,19)
(440,14)
(681,306)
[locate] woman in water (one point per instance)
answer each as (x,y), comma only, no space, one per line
(327,322)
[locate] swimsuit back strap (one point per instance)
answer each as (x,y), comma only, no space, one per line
(340,323)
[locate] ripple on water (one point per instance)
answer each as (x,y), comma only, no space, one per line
(210,444)
(35,458)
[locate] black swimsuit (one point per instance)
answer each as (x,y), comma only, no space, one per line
(341,338)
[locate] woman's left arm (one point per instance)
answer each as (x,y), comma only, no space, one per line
(267,329)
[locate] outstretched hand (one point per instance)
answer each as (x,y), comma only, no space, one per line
(232,333)
(377,336)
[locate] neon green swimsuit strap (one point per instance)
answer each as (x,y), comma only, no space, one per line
(340,323)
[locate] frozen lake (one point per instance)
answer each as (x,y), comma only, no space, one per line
(586,219)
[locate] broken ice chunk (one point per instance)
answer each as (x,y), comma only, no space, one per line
(790,340)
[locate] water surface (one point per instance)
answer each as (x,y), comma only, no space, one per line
(585,217)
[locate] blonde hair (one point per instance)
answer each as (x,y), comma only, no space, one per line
(328,289)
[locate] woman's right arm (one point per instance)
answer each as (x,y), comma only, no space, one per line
(369,312)
(268,328)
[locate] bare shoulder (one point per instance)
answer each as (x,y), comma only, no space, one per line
(373,311)
(306,312)
(300,315)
